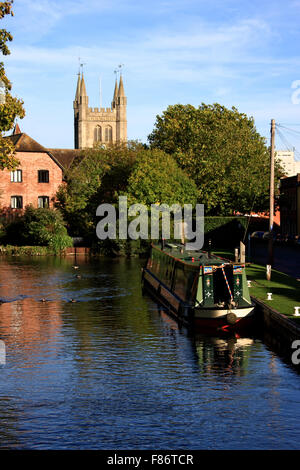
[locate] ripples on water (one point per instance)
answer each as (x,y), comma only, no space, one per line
(112,371)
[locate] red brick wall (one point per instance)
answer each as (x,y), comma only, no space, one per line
(30,189)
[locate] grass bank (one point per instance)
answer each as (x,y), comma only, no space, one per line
(26,250)
(285,289)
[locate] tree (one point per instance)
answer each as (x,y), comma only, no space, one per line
(98,175)
(12,107)
(39,227)
(156,178)
(221,151)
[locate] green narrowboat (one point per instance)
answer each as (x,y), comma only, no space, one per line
(199,288)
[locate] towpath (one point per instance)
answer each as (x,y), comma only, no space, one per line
(286,258)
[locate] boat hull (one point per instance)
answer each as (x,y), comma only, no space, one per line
(218,320)
(206,318)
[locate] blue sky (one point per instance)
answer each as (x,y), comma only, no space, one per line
(237,53)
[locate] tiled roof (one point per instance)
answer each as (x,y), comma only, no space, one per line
(65,156)
(24,143)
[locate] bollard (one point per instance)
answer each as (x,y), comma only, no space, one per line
(269,294)
(297,313)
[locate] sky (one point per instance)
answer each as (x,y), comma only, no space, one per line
(236,53)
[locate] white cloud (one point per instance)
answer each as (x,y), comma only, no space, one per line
(187,57)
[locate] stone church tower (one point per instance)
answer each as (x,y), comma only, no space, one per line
(99,125)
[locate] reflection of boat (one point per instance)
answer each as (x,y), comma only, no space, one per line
(200,289)
(223,353)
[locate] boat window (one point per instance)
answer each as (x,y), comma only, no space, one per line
(185,285)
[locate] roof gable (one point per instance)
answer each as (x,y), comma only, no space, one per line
(62,157)
(24,143)
(65,156)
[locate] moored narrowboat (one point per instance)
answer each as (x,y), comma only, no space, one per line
(199,288)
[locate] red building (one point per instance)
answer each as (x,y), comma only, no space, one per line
(38,177)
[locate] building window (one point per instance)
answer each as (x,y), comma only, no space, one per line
(16,176)
(97,134)
(43,176)
(108,134)
(16,202)
(43,201)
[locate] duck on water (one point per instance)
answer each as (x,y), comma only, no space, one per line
(199,288)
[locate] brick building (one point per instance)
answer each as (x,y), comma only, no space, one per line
(290,205)
(38,177)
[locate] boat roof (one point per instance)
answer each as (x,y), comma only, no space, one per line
(194,258)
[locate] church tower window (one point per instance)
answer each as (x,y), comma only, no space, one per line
(97,134)
(108,134)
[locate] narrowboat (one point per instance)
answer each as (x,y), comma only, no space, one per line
(199,288)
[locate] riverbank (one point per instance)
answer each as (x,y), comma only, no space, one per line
(275,312)
(285,290)
(11,250)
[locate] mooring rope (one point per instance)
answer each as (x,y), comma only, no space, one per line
(227,283)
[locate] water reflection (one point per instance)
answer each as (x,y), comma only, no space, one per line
(111,370)
(215,353)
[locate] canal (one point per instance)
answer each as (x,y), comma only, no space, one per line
(112,371)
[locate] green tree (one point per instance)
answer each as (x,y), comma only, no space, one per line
(98,175)
(221,151)
(156,178)
(12,107)
(39,227)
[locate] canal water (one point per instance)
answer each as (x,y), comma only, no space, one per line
(112,371)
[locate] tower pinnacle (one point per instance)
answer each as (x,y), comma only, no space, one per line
(115,97)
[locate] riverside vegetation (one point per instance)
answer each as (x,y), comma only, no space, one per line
(210,155)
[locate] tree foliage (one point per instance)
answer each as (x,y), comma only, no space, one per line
(156,178)
(13,107)
(221,151)
(39,227)
(98,175)
(102,175)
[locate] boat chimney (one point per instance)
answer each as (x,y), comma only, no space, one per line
(182,236)
(209,248)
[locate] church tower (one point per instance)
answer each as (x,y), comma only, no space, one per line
(99,125)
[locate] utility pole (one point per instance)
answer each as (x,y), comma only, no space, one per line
(271,216)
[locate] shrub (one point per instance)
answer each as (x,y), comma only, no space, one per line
(39,227)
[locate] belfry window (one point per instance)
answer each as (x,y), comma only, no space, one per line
(97,134)
(108,134)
